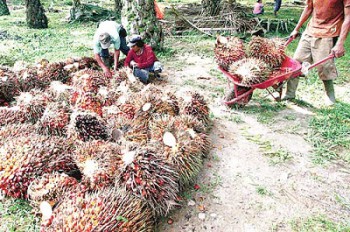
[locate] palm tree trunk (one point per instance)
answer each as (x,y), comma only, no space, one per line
(36,17)
(4,10)
(138,17)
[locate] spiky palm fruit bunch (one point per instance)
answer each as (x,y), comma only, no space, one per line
(151,100)
(87,62)
(9,86)
(60,92)
(50,187)
(270,51)
(149,177)
(15,130)
(89,101)
(29,108)
(196,130)
(106,210)
(55,119)
(192,103)
(250,71)
(12,115)
(107,97)
(126,77)
(26,158)
(89,80)
(87,126)
(98,162)
(28,80)
(53,72)
(228,50)
(181,148)
(33,104)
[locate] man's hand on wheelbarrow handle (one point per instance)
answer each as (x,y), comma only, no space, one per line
(291,37)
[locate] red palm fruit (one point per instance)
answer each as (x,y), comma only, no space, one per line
(105,210)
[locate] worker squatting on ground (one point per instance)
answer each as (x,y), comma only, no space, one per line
(325,34)
(108,33)
(142,59)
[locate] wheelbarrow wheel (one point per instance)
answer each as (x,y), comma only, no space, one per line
(241,102)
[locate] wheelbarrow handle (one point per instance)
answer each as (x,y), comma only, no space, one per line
(290,39)
(330,56)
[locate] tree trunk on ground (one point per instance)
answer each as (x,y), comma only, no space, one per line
(211,7)
(4,10)
(118,5)
(36,17)
(138,17)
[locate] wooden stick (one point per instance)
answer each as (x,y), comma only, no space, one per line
(186,20)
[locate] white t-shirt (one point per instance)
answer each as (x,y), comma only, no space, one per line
(110,27)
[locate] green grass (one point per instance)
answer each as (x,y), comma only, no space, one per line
(330,133)
(60,41)
(319,224)
(15,215)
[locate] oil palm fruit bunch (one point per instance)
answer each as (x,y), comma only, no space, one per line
(50,187)
(125,77)
(87,126)
(270,51)
(196,130)
(98,162)
(26,158)
(89,101)
(12,115)
(89,80)
(250,71)
(151,100)
(60,92)
(228,50)
(149,177)
(107,97)
(53,72)
(177,147)
(15,130)
(87,62)
(33,104)
(9,86)
(106,210)
(29,108)
(193,103)
(55,119)
(28,79)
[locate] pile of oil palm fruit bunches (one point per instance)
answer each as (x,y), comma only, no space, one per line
(96,154)
(253,62)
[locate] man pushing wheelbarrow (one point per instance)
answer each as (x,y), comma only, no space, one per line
(325,35)
(263,64)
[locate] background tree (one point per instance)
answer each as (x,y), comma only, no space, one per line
(138,17)
(118,5)
(35,13)
(4,10)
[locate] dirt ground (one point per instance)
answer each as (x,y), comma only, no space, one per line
(243,189)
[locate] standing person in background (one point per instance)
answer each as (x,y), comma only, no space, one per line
(277,6)
(325,34)
(107,33)
(258,8)
(142,60)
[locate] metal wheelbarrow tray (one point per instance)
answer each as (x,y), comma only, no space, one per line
(241,95)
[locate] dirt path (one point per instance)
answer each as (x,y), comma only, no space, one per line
(257,177)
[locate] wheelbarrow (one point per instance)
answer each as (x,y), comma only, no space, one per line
(240,94)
